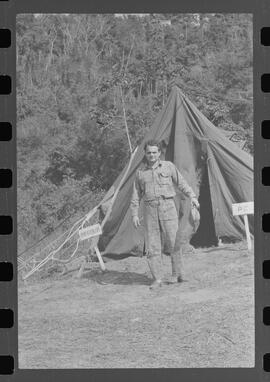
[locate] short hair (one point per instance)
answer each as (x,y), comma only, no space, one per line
(152,142)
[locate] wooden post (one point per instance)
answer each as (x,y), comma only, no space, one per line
(247,232)
(125,119)
(102,265)
(87,233)
(244,209)
(83,264)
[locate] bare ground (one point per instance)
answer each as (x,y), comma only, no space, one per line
(113,320)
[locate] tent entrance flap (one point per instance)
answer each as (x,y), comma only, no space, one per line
(206,234)
(188,139)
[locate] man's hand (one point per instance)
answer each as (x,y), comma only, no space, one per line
(195,203)
(136,221)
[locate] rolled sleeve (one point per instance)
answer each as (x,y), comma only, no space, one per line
(136,197)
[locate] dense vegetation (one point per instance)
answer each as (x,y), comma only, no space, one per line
(71,72)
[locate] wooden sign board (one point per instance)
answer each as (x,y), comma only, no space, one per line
(246,208)
(91,231)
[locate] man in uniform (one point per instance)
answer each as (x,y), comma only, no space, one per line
(154,184)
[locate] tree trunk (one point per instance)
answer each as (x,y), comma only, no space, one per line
(50,55)
(163,94)
(141,84)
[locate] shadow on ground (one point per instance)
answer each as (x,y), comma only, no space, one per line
(117,277)
(222,248)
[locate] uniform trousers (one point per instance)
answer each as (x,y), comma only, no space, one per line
(161,226)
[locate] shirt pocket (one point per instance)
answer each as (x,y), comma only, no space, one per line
(165,178)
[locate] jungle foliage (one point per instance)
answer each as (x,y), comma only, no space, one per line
(71,73)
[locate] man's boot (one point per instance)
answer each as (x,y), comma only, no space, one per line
(177,274)
(155,267)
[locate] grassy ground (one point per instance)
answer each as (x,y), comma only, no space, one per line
(113,320)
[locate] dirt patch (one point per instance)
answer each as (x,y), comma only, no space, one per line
(113,320)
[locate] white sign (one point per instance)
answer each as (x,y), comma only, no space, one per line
(243,208)
(93,230)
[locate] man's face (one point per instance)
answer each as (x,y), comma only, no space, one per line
(152,154)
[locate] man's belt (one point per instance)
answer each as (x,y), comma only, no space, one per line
(158,200)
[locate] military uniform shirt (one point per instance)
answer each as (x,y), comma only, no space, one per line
(153,183)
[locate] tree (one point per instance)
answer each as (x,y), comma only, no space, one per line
(70,70)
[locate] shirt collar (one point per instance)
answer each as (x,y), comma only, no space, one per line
(156,165)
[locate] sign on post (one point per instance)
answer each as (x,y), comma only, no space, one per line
(90,231)
(244,209)
(87,233)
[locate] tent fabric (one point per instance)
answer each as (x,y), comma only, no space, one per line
(194,145)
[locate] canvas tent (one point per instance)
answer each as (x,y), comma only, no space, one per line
(219,172)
